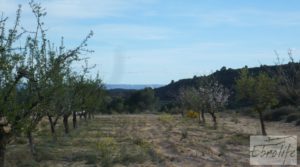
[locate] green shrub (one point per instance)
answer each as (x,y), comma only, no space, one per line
(138,151)
(247,111)
(292,117)
(133,154)
(89,157)
(298,122)
(140,142)
(20,157)
(184,134)
(108,151)
(279,114)
(20,140)
(45,153)
(166,118)
(239,139)
(174,110)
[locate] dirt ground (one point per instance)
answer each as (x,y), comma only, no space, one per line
(145,140)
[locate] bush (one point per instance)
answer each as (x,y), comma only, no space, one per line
(298,122)
(45,153)
(279,113)
(292,117)
(192,114)
(166,118)
(89,157)
(20,156)
(173,110)
(137,151)
(108,150)
(247,111)
(184,134)
(239,139)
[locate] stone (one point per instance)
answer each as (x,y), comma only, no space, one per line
(7,129)
(3,121)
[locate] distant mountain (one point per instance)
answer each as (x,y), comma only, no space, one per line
(131,86)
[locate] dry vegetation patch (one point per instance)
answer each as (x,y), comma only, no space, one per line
(143,140)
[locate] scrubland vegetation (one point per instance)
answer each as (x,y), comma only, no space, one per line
(53,115)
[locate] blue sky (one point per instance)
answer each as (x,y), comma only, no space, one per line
(156,41)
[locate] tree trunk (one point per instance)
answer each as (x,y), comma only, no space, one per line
(85,116)
(31,144)
(51,125)
(4,135)
(199,116)
(74,120)
(89,115)
(66,124)
(2,148)
(203,117)
(262,124)
(236,116)
(214,118)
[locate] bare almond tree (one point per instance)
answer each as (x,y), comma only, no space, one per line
(209,96)
(215,97)
(289,80)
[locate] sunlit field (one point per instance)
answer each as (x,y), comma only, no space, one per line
(144,140)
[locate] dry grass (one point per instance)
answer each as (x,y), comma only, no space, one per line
(144,140)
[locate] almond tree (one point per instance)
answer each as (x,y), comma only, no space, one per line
(209,96)
(215,97)
(81,94)
(289,81)
(27,72)
(95,93)
(192,98)
(46,71)
(11,74)
(259,90)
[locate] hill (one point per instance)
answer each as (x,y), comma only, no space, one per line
(226,77)
(131,86)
